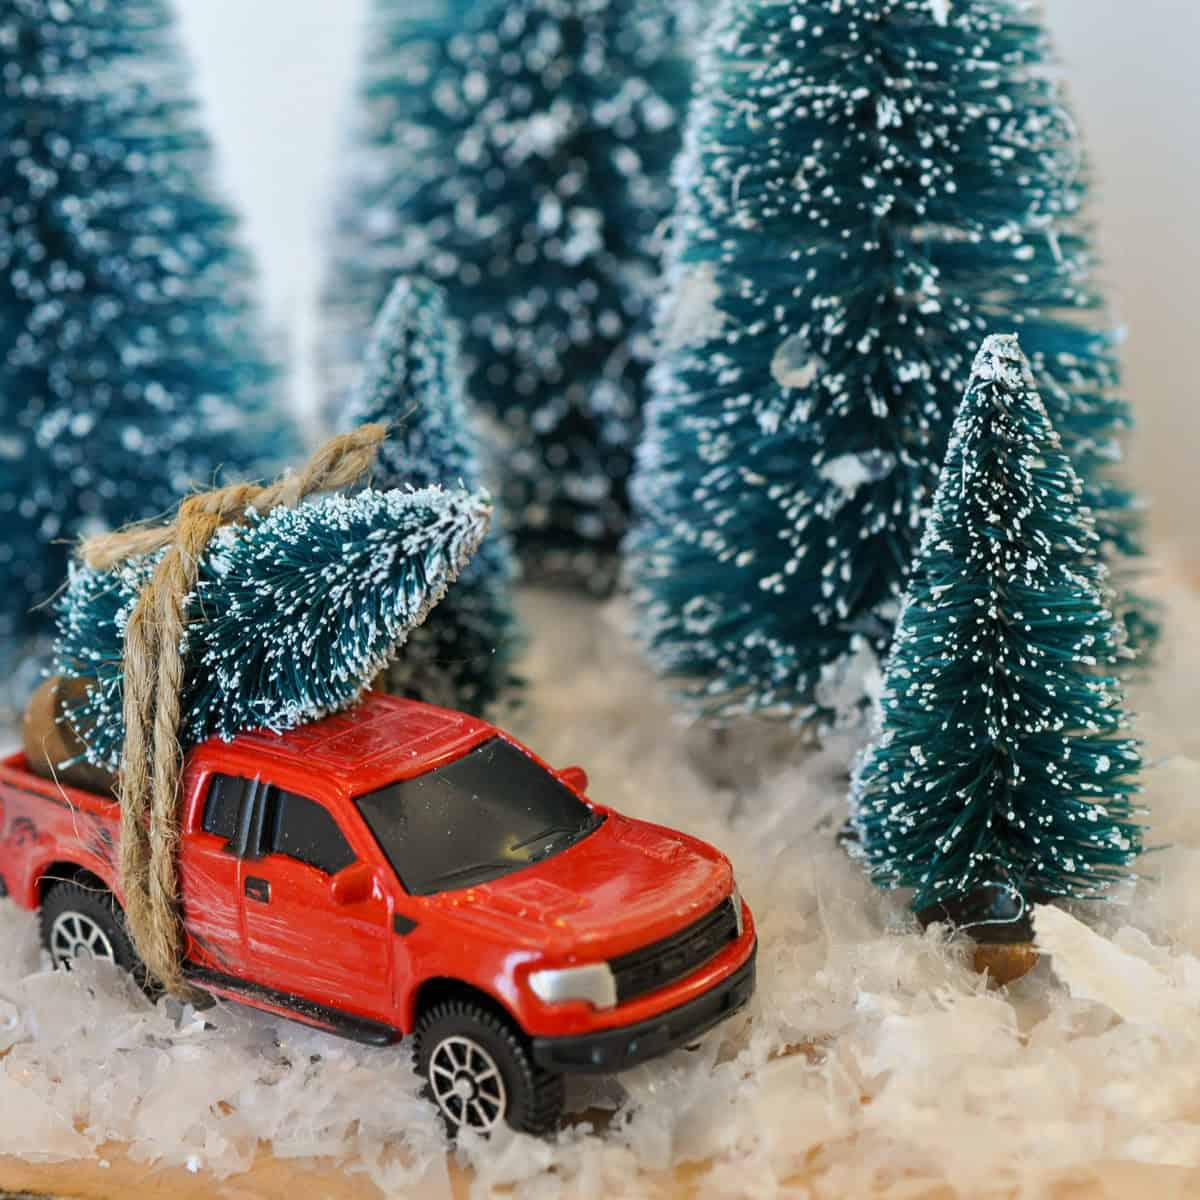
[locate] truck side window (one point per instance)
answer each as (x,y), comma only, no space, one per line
(304,830)
(223,806)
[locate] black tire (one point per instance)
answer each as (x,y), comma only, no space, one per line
(95,909)
(529,1099)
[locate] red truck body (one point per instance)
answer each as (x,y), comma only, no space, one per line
(320,925)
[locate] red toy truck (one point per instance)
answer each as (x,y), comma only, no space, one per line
(402,869)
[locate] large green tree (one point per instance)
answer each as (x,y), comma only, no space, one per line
(518,153)
(131,361)
(1002,755)
(867,188)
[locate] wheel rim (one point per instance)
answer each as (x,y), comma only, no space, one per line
(467,1084)
(76,935)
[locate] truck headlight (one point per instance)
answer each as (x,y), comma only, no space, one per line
(737,910)
(594,983)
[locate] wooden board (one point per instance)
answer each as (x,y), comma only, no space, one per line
(113,1175)
(315,1179)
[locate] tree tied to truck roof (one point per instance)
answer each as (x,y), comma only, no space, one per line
(151,758)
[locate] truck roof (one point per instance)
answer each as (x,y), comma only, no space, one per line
(381,739)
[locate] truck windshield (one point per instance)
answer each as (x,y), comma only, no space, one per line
(485,815)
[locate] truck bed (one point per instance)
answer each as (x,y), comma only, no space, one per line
(48,829)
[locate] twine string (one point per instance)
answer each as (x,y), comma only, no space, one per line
(151,759)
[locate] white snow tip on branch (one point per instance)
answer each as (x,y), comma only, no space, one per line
(887,112)
(1001,360)
(1006,346)
(850,471)
(1096,969)
(940,10)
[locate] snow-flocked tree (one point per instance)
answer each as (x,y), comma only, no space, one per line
(867,188)
(462,656)
(518,152)
(131,365)
(23,566)
(295,612)
(1002,756)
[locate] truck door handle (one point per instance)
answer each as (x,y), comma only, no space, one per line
(258,889)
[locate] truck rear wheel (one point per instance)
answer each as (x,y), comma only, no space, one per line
(479,1071)
(80,922)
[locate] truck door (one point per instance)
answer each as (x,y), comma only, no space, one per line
(208,869)
(300,938)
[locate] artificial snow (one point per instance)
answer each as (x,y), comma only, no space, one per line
(873,1060)
(1117,973)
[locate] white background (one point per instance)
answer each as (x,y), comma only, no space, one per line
(277,77)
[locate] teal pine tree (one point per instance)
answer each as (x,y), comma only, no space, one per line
(462,655)
(1002,756)
(23,564)
(867,188)
(518,153)
(131,360)
(294,613)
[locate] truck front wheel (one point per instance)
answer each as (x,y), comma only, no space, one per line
(85,922)
(479,1071)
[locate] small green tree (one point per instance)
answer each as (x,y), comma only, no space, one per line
(462,655)
(25,568)
(1001,756)
(293,615)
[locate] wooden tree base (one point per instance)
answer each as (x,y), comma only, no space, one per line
(1005,963)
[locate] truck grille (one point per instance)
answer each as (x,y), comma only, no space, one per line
(663,962)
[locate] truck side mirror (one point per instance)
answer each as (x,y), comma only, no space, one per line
(576,778)
(353,884)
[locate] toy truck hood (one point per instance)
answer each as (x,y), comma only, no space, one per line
(626,884)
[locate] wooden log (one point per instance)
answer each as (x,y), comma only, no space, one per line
(52,747)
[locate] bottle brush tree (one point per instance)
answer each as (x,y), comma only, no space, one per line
(293,615)
(23,567)
(867,188)
(462,655)
(518,152)
(131,363)
(1001,758)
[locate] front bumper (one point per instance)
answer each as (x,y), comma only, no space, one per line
(627,1045)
